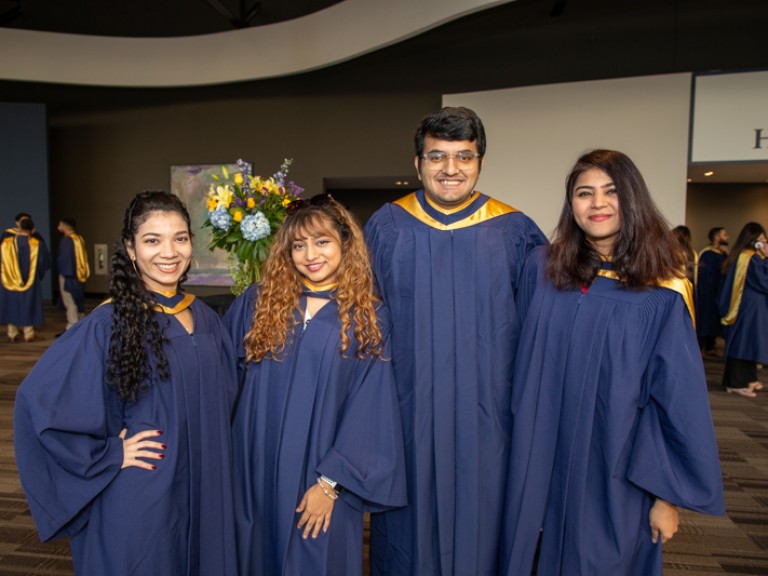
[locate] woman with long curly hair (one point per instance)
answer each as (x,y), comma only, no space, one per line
(612,427)
(743,305)
(316,433)
(122,427)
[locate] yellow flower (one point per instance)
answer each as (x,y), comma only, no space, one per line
(251,203)
(223,196)
(212,204)
(238,178)
(286,201)
(237,216)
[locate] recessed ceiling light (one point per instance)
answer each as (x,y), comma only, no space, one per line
(710,173)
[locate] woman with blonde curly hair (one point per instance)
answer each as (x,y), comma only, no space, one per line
(316,433)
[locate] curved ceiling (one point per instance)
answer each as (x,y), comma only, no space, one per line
(335,34)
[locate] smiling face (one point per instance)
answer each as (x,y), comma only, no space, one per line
(448,184)
(161,250)
(595,205)
(317,255)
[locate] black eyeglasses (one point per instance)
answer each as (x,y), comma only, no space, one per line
(438,159)
(317,200)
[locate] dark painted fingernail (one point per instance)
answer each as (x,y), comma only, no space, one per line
(159,432)
(163,446)
(161,455)
(154,467)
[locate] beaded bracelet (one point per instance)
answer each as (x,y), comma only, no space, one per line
(332,494)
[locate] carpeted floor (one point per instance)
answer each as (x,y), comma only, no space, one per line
(736,544)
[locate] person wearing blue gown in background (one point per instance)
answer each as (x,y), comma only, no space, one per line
(447,261)
(612,426)
(24,260)
(316,433)
(122,427)
(710,279)
(743,305)
(74,270)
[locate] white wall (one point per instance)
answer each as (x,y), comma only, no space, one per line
(729,111)
(535,134)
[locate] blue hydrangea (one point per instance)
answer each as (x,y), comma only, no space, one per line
(255,227)
(220,218)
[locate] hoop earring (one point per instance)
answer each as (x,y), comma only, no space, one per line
(134,267)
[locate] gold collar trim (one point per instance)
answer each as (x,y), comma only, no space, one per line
(181,306)
(318,287)
(491,209)
(682,286)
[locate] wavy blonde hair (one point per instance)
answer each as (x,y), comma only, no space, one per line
(274,315)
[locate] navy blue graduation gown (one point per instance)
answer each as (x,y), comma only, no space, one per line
(25,308)
(710,279)
(66,265)
(451,293)
(610,411)
(747,338)
(177,520)
(312,413)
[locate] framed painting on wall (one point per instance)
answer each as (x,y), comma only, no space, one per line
(191,183)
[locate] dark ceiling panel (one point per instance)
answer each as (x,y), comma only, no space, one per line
(150,18)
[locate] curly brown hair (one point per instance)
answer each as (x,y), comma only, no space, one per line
(274,318)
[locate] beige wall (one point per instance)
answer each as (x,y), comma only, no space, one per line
(99,161)
(536,133)
(728,205)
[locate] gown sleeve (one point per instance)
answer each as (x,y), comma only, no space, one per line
(367,457)
(43,258)
(529,275)
(227,352)
(380,232)
(674,454)
(237,323)
(757,274)
(66,426)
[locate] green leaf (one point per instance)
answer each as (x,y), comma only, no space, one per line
(262,252)
(246,251)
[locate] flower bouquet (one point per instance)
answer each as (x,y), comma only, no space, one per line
(244,211)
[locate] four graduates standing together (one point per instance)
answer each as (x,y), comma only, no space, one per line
(480,392)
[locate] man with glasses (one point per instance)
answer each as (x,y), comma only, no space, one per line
(447,260)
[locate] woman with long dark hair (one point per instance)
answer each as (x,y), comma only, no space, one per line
(612,428)
(317,435)
(743,305)
(122,427)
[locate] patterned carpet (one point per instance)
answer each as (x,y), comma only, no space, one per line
(736,544)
